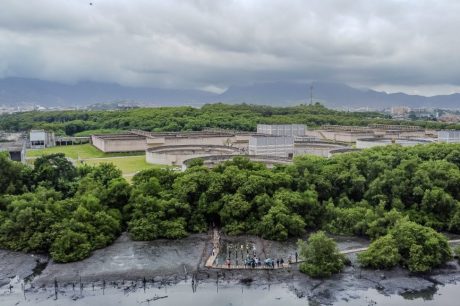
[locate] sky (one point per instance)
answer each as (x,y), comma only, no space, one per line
(411,46)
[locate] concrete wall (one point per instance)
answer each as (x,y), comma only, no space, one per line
(282,146)
(40,139)
(449,136)
(370,143)
(212,160)
(316,148)
(344,136)
(282,129)
(125,145)
(119,144)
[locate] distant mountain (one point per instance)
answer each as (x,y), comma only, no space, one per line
(332,95)
(16,91)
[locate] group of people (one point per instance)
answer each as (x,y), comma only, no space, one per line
(250,261)
(254,261)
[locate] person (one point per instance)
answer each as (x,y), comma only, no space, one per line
(213,250)
(228,263)
(296,256)
(273,264)
(278,262)
(281,261)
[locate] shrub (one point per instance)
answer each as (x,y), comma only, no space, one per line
(382,254)
(322,258)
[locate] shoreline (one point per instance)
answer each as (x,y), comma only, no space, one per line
(169,262)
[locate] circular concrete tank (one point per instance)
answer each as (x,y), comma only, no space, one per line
(379,142)
(176,154)
(212,160)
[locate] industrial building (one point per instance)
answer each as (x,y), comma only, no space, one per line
(16,150)
(281,146)
(40,139)
(350,134)
(111,143)
(140,140)
(449,136)
(282,129)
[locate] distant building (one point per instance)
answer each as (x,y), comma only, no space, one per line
(450,118)
(449,136)
(40,139)
(282,129)
(280,146)
(400,111)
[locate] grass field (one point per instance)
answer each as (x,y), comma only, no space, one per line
(78,151)
(128,165)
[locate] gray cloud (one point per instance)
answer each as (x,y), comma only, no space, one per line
(408,45)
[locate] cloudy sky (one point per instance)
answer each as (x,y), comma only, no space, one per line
(392,45)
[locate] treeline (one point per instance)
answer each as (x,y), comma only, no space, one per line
(239,117)
(375,193)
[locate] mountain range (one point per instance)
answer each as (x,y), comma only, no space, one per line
(26,91)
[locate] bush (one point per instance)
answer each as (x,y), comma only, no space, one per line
(457,252)
(70,246)
(322,258)
(382,254)
(421,248)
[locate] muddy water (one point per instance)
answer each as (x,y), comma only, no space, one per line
(107,278)
(212,294)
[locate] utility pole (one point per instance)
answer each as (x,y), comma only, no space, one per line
(311,94)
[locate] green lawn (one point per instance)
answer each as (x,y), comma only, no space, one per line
(128,165)
(82,151)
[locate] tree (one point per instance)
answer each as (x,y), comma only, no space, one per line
(105,173)
(321,256)
(279,223)
(14,177)
(421,248)
(55,171)
(70,246)
(382,253)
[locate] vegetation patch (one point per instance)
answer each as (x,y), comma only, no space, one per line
(83,151)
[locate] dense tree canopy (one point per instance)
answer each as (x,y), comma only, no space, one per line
(63,210)
(375,193)
(239,117)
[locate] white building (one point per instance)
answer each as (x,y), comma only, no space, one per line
(282,129)
(40,139)
(281,146)
(449,136)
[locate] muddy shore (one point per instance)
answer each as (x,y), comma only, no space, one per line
(165,262)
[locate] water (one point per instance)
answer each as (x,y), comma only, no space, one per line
(212,294)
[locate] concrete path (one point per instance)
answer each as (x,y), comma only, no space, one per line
(215,248)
